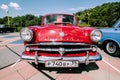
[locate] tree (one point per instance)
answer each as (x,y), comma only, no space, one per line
(1,21)
(101,16)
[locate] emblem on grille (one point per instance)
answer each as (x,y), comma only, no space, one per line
(61,34)
(61,51)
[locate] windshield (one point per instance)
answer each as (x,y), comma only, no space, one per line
(117,24)
(68,19)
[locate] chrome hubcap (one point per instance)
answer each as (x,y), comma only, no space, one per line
(111,47)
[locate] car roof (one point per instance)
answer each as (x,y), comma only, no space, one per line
(58,14)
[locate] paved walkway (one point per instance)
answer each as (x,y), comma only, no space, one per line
(21,71)
(7,53)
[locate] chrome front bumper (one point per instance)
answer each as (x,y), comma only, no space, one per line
(42,59)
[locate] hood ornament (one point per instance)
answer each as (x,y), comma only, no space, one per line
(62,34)
(61,51)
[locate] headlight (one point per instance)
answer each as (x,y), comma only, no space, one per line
(26,34)
(96,35)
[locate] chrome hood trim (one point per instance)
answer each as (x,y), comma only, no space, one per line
(58,43)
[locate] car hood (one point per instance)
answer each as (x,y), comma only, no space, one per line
(107,30)
(62,34)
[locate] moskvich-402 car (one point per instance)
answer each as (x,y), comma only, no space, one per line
(60,42)
(110,41)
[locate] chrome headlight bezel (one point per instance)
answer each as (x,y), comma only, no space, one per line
(26,34)
(96,35)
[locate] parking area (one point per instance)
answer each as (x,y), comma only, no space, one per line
(11,45)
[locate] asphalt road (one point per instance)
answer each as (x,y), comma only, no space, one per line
(107,69)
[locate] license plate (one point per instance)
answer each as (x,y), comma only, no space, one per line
(61,63)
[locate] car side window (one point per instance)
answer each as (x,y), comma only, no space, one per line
(119,25)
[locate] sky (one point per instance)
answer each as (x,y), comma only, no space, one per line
(42,7)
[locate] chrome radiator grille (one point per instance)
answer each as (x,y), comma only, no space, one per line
(60,47)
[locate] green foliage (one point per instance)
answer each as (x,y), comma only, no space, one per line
(18,29)
(101,16)
(19,22)
(1,21)
(83,25)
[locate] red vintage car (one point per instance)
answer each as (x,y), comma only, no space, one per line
(60,42)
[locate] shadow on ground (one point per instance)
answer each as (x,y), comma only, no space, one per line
(80,69)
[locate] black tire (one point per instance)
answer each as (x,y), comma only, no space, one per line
(112,48)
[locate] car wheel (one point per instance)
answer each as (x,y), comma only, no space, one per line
(112,48)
